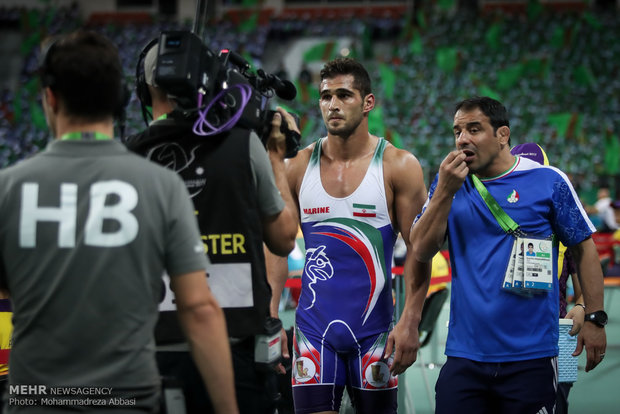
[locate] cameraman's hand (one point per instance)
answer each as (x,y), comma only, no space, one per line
(277,141)
(285,355)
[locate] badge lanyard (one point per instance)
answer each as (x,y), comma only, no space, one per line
(519,278)
(506,223)
(87,136)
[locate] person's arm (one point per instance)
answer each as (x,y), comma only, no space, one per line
(280,230)
(277,266)
(428,234)
(277,273)
(592,337)
(204,325)
(409,191)
(578,312)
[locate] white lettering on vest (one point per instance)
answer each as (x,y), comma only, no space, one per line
(120,212)
(31,213)
(66,215)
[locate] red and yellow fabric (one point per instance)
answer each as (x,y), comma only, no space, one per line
(6,333)
(440,274)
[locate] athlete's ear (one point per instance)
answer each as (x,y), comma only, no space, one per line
(503,133)
(369,102)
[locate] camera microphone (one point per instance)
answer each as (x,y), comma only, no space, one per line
(235,58)
(283,88)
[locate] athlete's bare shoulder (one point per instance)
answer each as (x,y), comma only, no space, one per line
(296,166)
(399,161)
(405,187)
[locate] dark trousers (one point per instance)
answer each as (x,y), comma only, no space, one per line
(561,405)
(257,391)
(520,387)
(3,382)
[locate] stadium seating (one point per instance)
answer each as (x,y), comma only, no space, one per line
(556,73)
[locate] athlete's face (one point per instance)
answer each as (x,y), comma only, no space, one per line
(342,106)
(474,136)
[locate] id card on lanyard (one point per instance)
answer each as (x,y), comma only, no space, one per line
(538,266)
(510,269)
(513,279)
(530,265)
(518,266)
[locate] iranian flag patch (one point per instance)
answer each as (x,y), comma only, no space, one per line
(364,210)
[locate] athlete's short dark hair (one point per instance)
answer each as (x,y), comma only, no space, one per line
(348,66)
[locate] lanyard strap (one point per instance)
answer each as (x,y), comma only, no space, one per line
(89,136)
(503,219)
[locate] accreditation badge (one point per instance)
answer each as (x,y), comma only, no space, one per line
(510,269)
(517,281)
(515,274)
(538,264)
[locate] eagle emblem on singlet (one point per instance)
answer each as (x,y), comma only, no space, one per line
(365,240)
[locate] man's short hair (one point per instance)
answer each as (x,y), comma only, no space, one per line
(84,70)
(348,66)
(498,116)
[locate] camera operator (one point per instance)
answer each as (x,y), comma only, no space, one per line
(241,200)
(87,230)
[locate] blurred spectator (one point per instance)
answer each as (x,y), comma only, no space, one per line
(305,77)
(614,269)
(281,72)
(615,205)
(605,211)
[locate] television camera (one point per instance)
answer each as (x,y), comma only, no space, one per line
(221,89)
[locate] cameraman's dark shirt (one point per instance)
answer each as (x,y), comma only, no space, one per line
(232,186)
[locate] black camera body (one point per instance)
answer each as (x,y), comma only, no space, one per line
(293,138)
(221,88)
(185,66)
